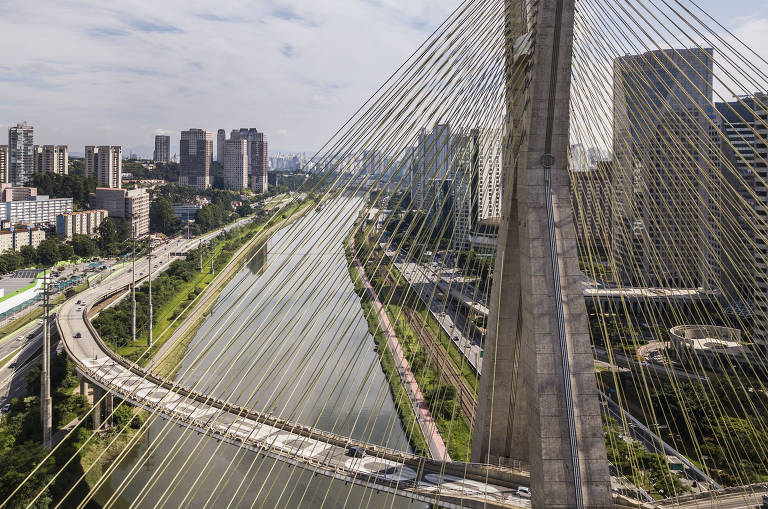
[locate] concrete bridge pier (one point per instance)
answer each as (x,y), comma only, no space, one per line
(108,406)
(83,387)
(98,405)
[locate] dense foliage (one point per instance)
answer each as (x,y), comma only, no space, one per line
(65,186)
(20,434)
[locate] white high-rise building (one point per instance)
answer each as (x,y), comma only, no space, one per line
(477,187)
(21,162)
(235,164)
(51,159)
(196,156)
(4,163)
(162,149)
(105,164)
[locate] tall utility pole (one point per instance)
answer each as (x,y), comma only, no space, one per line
(149,327)
(210,246)
(45,389)
(133,283)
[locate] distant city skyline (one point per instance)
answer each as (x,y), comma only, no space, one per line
(125,72)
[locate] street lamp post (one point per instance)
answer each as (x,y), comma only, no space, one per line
(45,397)
(149,271)
(133,281)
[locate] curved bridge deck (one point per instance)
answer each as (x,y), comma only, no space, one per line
(453,484)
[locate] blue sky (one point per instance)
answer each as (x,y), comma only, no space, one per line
(117,72)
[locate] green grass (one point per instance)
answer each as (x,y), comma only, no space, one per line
(454,429)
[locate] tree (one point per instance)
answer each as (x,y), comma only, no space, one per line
(107,236)
(10,260)
(84,246)
(66,252)
(243,210)
(28,254)
(162,218)
(124,230)
(48,252)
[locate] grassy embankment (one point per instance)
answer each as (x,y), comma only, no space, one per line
(399,395)
(440,397)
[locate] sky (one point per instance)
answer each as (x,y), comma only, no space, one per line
(86,72)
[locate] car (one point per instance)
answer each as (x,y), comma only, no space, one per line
(524,492)
(30,335)
(6,408)
(40,322)
(78,301)
(20,338)
(12,365)
(355,452)
(78,335)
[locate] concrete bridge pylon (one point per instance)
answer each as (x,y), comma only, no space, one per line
(538,402)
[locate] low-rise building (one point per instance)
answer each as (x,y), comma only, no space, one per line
(186,211)
(85,222)
(132,205)
(20,236)
(34,211)
(9,192)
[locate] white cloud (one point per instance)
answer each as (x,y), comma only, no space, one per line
(112,72)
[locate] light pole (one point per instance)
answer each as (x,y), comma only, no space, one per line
(210,246)
(45,399)
(149,327)
(133,281)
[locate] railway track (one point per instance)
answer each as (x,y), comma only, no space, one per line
(437,355)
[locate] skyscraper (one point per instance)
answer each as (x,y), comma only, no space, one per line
(258,156)
(476,168)
(21,163)
(745,205)
(105,164)
(235,164)
(662,144)
(432,163)
(258,162)
(196,154)
(51,159)
(162,149)
(4,163)
(221,136)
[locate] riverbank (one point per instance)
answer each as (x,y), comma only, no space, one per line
(441,397)
(399,395)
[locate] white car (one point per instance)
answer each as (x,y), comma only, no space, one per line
(523,491)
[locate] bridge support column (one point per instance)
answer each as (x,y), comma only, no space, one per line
(98,406)
(538,402)
(83,387)
(108,407)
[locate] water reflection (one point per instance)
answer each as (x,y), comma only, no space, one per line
(287,335)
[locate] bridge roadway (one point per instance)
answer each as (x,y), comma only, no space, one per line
(449,484)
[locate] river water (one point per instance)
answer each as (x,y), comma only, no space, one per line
(287,335)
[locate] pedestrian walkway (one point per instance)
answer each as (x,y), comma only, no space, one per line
(428,427)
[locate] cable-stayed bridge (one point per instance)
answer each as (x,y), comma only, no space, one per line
(523,146)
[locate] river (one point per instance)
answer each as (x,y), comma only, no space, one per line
(287,335)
